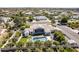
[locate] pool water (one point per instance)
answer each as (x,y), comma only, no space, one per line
(39,39)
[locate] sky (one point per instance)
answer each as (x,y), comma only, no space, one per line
(39,3)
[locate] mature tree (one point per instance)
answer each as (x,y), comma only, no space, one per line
(59,36)
(22,27)
(30,18)
(47,49)
(64,20)
(20,44)
(56,43)
(18,19)
(10,45)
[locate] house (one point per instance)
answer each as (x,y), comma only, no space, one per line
(40,18)
(38,31)
(28,13)
(44,29)
(72,42)
(4,19)
(75,16)
(26,32)
(2,31)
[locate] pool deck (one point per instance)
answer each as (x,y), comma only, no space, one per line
(49,38)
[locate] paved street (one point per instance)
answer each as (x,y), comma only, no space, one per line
(70,34)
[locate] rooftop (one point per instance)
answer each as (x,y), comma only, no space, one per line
(44,26)
(5,19)
(41,17)
(2,31)
(71,41)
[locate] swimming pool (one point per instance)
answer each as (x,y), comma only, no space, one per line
(39,39)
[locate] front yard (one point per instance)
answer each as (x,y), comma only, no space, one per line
(24,39)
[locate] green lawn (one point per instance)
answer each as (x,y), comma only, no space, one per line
(25,40)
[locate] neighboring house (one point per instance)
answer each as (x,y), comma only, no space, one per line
(4,19)
(40,18)
(72,42)
(26,32)
(28,13)
(2,31)
(56,17)
(64,13)
(75,16)
(3,35)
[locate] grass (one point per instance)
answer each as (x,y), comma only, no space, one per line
(18,34)
(0,46)
(24,39)
(70,50)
